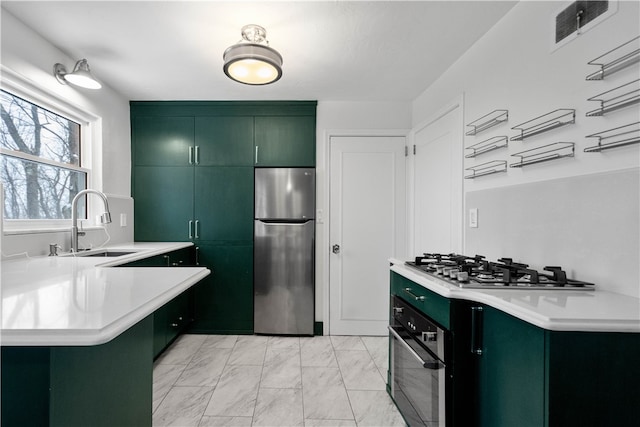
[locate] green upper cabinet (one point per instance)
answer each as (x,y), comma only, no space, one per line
(162,141)
(285,141)
(163,203)
(224,203)
(224,141)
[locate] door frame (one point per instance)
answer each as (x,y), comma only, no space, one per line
(458,223)
(323,223)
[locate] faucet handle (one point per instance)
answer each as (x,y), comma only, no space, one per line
(53,249)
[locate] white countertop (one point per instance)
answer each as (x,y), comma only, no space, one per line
(563,310)
(66,300)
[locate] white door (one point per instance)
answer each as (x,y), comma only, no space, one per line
(437,184)
(367,227)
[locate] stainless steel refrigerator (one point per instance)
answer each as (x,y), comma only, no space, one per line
(284,255)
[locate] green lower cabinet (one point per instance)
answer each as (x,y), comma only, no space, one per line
(223,301)
(511,371)
(160,321)
(100,386)
(170,320)
(435,306)
(593,379)
(529,376)
(175,316)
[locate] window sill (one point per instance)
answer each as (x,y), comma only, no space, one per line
(43,230)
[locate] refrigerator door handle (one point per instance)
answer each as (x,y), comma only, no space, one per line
(285,222)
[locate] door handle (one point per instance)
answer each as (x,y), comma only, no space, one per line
(197,155)
(197,229)
(476,330)
(256,154)
(191,229)
(335,249)
(190,155)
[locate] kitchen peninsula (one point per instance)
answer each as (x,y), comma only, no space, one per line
(78,335)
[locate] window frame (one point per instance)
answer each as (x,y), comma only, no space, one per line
(90,146)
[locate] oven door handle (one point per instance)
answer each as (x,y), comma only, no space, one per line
(431,364)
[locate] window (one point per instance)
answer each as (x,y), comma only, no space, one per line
(41,166)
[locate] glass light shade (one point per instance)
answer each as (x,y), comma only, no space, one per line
(82,80)
(252,64)
(81,75)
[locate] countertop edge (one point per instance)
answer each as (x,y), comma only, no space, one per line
(91,337)
(529,316)
(84,337)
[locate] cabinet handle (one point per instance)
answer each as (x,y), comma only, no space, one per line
(256,154)
(190,229)
(197,255)
(476,330)
(414,296)
(197,228)
(190,155)
(168,259)
(197,156)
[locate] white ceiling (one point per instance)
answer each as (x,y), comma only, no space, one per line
(332,50)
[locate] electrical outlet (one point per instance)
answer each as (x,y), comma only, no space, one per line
(123,220)
(473,217)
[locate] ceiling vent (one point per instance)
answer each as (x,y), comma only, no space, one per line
(578,17)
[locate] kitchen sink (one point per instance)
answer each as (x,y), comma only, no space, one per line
(107,253)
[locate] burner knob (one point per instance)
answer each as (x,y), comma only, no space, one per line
(398,310)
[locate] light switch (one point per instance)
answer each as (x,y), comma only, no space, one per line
(123,220)
(473,217)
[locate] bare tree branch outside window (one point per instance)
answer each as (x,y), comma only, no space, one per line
(40,160)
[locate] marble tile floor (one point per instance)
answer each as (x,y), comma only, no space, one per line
(229,380)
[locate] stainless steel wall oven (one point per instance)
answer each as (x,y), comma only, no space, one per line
(417,365)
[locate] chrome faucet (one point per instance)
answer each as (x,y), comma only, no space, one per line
(105,218)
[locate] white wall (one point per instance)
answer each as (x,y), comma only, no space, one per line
(32,57)
(353,118)
(513,67)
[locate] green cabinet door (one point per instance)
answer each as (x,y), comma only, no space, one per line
(162,141)
(224,203)
(163,203)
(223,301)
(178,315)
(224,141)
(285,141)
(511,371)
(160,321)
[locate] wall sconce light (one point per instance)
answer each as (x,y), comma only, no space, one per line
(81,75)
(251,61)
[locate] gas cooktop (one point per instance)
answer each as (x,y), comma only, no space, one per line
(476,272)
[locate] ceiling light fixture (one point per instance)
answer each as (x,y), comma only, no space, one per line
(251,61)
(81,75)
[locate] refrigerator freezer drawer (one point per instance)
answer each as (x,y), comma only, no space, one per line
(284,278)
(285,193)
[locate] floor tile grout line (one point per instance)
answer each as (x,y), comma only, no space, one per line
(343,383)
